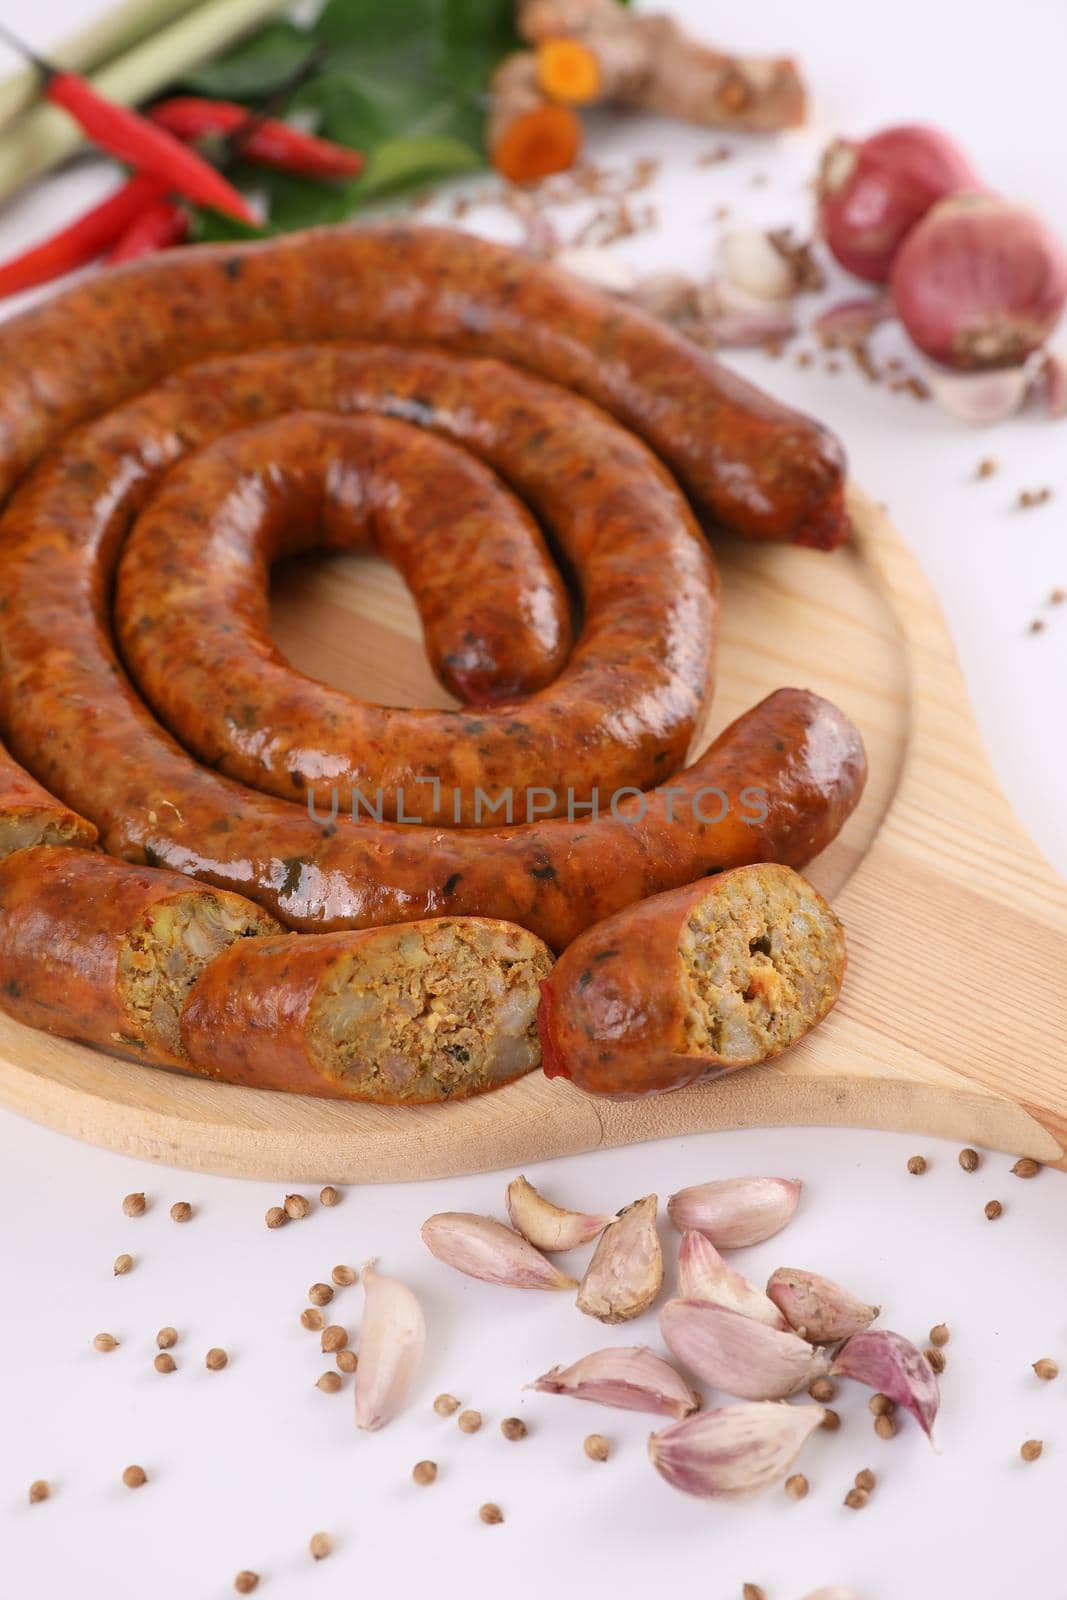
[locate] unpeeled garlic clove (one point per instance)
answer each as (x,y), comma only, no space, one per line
(751,261)
(599,267)
(819,1310)
(667,295)
(892,1365)
(549,1227)
(484,1248)
(626,1272)
(704,1275)
(853,321)
(980,398)
(630,1377)
(733,1212)
(735,1353)
(391,1343)
(734,1450)
(1053,382)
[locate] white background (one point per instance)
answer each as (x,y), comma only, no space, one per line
(246,1464)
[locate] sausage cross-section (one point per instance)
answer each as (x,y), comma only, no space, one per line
(690,984)
(29,815)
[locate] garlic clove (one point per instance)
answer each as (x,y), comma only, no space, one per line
(484,1248)
(892,1365)
(1053,378)
(599,267)
(667,295)
(630,1377)
(734,1450)
(746,1358)
(751,261)
(546,1226)
(733,1212)
(626,1272)
(819,1310)
(980,398)
(852,321)
(704,1275)
(391,1343)
(742,330)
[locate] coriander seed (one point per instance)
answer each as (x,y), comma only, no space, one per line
(1031,1449)
(597,1447)
(216,1359)
(181,1211)
(969,1159)
(797,1486)
(445,1405)
(513,1428)
(491,1513)
(105,1342)
(424,1472)
(822,1389)
(167,1338)
(344,1277)
(134,1477)
(135,1205)
(329,1196)
(993,1210)
(329,1383)
(916,1165)
(935,1360)
(752,1591)
(1026,1167)
(1047,1369)
(939,1334)
(470,1421)
(276,1217)
(312,1318)
(865,1480)
(333,1338)
(885,1426)
(297,1206)
(320,1545)
(245,1582)
(986,467)
(880,1405)
(856,1499)
(347,1360)
(320,1294)
(40,1489)
(831,1421)
(123,1264)
(165,1362)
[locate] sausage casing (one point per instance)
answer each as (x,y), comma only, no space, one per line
(101,951)
(407,1015)
(693,983)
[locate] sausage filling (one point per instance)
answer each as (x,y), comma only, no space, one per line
(419,1016)
(20,833)
(762,960)
(165,952)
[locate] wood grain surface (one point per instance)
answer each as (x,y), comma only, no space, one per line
(954,1012)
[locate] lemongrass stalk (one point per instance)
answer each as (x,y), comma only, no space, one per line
(46,135)
(123,25)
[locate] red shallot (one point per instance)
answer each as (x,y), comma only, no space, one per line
(873,192)
(980,283)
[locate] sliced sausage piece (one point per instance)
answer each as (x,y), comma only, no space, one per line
(29,815)
(427,1011)
(690,984)
(193,613)
(751,464)
(97,950)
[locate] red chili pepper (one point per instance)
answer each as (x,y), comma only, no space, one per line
(140,143)
(268,140)
(75,246)
(161,224)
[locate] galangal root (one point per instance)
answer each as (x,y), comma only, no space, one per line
(596,52)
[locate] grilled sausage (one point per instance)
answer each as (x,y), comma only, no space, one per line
(192,610)
(407,1015)
(693,983)
(30,815)
(751,465)
(96,950)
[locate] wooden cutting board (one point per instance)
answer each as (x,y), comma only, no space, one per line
(953,1018)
